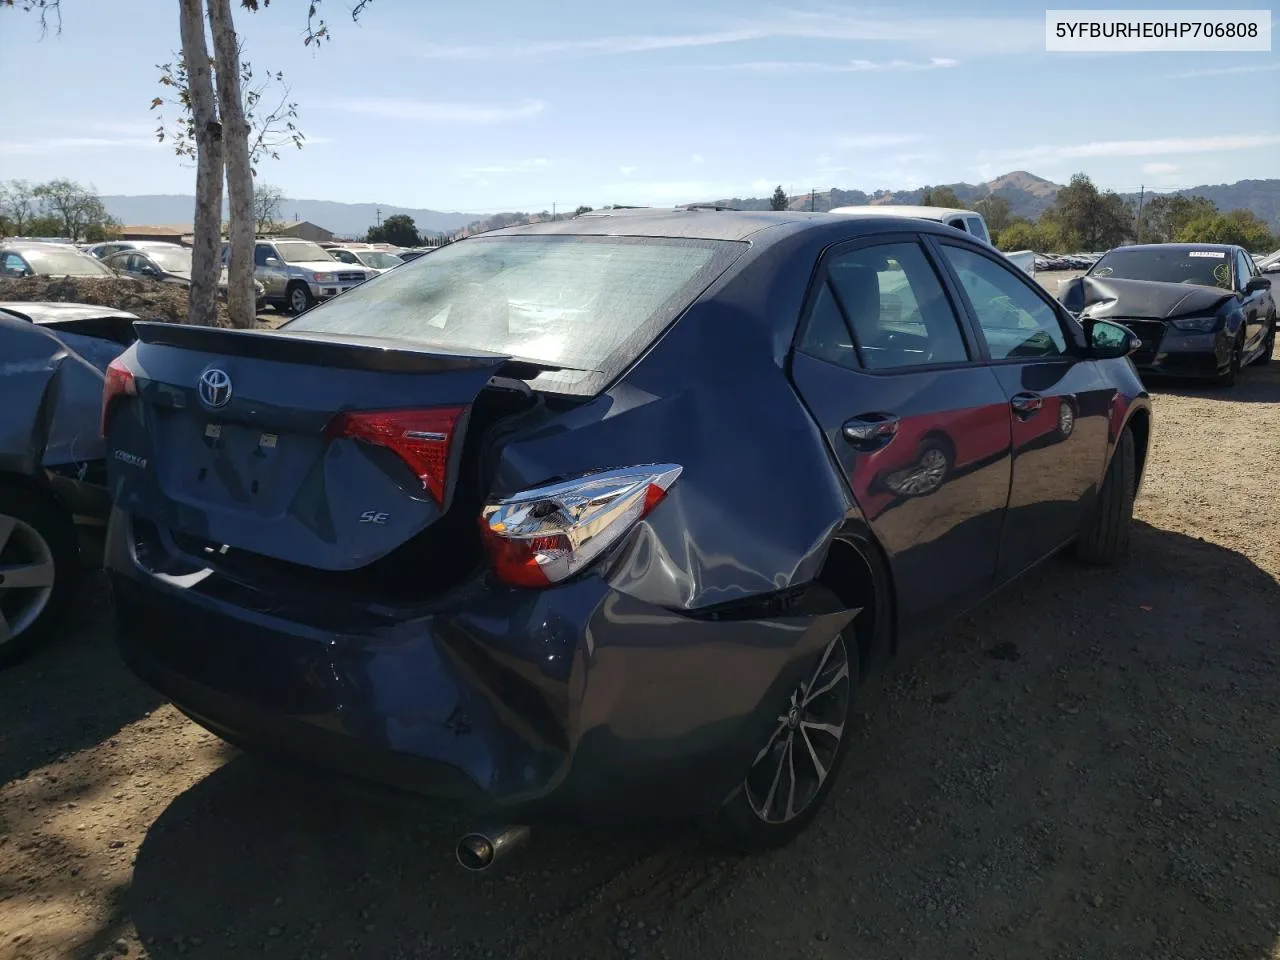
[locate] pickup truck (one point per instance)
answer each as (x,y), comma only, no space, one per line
(970,221)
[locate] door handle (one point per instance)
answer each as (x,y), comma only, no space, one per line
(871,428)
(1026,404)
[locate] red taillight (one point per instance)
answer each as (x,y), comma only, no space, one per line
(542,536)
(421,438)
(118,382)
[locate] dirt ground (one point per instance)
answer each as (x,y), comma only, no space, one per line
(1087,767)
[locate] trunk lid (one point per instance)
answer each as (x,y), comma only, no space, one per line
(235,437)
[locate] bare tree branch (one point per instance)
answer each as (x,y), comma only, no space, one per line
(317,30)
(48,9)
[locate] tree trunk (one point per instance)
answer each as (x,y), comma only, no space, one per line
(206,260)
(235,132)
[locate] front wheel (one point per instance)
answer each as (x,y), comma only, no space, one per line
(300,298)
(1229,377)
(1106,539)
(1269,345)
(794,771)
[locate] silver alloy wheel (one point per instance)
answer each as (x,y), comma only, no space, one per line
(298,299)
(26,576)
(795,763)
(925,477)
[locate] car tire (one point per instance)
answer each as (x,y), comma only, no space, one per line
(1106,539)
(299,298)
(1232,373)
(743,824)
(1268,346)
(34,532)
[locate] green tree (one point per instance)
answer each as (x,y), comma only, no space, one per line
(1019,235)
(42,225)
(1241,227)
(76,206)
(581,210)
(398,229)
(1095,220)
(939,197)
(1167,214)
(779,199)
(995,210)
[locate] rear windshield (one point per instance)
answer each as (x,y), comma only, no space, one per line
(1208,268)
(590,305)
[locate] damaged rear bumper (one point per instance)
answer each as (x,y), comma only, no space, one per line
(576,702)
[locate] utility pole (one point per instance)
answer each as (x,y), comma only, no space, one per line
(553,209)
(1142,193)
(377,216)
(811,193)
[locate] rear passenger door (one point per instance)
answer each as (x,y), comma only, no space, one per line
(919,425)
(1058,404)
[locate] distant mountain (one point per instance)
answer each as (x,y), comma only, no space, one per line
(1029,196)
(344,219)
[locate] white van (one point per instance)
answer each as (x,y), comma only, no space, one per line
(970,221)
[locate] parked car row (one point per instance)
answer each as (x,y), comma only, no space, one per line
(1066,261)
(492,524)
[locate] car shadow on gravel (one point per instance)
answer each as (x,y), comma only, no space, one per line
(1086,764)
(72,692)
(1255,385)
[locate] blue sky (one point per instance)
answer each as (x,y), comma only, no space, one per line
(498,105)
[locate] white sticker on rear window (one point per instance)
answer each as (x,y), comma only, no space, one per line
(1216,254)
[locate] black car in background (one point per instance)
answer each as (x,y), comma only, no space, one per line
(53,497)
(1200,309)
(607,518)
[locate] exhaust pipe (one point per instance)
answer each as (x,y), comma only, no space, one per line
(481,849)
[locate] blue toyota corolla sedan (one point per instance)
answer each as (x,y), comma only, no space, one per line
(607,518)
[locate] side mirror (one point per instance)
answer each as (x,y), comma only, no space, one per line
(1258,283)
(272,262)
(1110,341)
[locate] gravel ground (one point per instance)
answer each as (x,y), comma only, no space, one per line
(1088,766)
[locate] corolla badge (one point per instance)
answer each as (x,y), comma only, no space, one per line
(214,387)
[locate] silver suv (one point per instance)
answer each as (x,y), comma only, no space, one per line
(298,273)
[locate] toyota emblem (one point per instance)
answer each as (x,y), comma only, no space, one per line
(214,387)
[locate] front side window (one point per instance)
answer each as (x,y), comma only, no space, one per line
(883,305)
(978,229)
(1244,269)
(261,254)
(1015,322)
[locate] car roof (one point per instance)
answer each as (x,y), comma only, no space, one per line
(28,246)
(904,210)
(1181,247)
(705,224)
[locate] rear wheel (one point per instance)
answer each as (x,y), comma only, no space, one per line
(38,560)
(300,298)
(794,771)
(1106,539)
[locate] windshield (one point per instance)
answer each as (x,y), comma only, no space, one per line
(70,263)
(346,256)
(302,251)
(379,260)
(590,305)
(1208,268)
(174,261)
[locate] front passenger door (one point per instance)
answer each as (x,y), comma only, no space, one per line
(1058,404)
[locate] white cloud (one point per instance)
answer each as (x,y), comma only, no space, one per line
(1131,148)
(1229,71)
(71,144)
(627,171)
(517,166)
(1159,168)
(697,158)
(975,35)
(776,67)
(457,113)
(872,141)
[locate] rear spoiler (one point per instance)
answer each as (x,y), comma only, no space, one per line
(316,349)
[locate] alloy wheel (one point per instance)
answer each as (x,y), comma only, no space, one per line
(26,576)
(298,300)
(925,477)
(793,766)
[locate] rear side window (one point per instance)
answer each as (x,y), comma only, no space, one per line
(589,305)
(884,306)
(1015,322)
